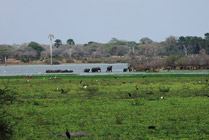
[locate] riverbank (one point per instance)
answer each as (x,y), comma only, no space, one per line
(112,59)
(38,62)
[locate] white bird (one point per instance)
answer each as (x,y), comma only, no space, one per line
(85,87)
(57,88)
(162,97)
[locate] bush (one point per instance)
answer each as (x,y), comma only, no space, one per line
(7,97)
(54,61)
(6,131)
(69,60)
(164,89)
(92,91)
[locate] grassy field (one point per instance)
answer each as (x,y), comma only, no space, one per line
(112,107)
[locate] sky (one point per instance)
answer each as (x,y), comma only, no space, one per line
(22,21)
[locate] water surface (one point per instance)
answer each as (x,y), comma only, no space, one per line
(78,69)
(41,69)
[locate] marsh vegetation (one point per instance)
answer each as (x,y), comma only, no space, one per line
(111,107)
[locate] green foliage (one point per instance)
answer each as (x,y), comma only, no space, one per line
(7,98)
(105,110)
(70,42)
(186,45)
(164,89)
(192,44)
(138,102)
(37,47)
(207,36)
(172,60)
(69,60)
(24,58)
(54,61)
(92,91)
(145,40)
(6,51)
(57,43)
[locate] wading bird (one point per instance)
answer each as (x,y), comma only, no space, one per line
(137,88)
(151,127)
(67,134)
(72,134)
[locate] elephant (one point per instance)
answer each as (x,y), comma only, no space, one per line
(48,71)
(130,69)
(59,71)
(109,69)
(56,71)
(70,71)
(64,71)
(125,70)
(86,70)
(96,69)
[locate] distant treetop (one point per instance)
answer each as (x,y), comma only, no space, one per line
(70,42)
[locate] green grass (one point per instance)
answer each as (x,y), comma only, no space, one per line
(105,109)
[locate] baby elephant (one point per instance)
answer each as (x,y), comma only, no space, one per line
(86,70)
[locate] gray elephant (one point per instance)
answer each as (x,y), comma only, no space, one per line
(125,70)
(86,70)
(109,69)
(96,69)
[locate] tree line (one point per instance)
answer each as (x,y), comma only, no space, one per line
(115,50)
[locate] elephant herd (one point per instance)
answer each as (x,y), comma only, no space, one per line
(94,69)
(59,71)
(98,69)
(109,69)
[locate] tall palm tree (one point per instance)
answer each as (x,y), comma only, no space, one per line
(51,36)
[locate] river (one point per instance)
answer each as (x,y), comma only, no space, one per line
(41,69)
(117,68)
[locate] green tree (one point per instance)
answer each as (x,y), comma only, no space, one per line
(5,52)
(191,44)
(207,36)
(57,43)
(182,41)
(196,44)
(145,40)
(37,47)
(207,42)
(132,45)
(70,42)
(113,40)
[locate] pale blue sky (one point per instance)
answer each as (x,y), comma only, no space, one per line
(100,20)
